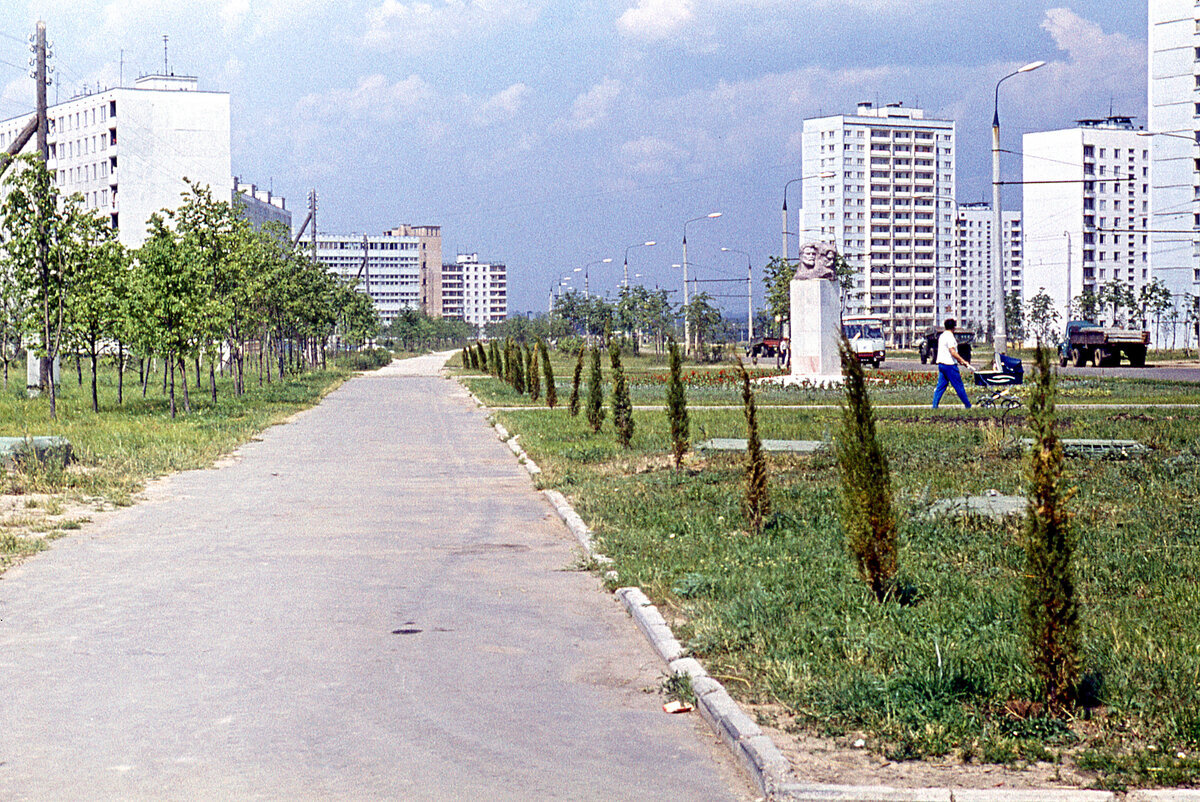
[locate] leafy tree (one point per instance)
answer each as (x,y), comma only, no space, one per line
(1014,317)
(99,284)
(1117,294)
(1043,317)
(595,397)
(703,317)
(677,408)
(621,405)
(1087,305)
(777,283)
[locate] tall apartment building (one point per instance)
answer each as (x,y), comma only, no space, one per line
(261,206)
(386,267)
(888,207)
(1086,209)
(970,297)
(475,291)
(1174,119)
(127,150)
(429,264)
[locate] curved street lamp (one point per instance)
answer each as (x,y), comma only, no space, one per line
(647,244)
(1000,333)
(687,326)
(823,174)
(585,272)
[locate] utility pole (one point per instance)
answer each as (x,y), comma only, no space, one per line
(40,76)
(312,210)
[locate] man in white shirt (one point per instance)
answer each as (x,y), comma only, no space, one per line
(948,360)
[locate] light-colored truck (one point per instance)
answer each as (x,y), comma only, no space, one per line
(865,334)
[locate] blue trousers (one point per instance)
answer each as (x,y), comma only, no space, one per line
(948,375)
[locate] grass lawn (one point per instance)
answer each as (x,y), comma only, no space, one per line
(784,620)
(119,449)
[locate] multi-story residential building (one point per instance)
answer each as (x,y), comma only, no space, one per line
(429,255)
(475,291)
(128,150)
(386,267)
(261,206)
(1086,209)
(888,206)
(1174,128)
(970,297)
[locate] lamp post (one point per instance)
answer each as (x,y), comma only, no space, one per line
(749,294)
(647,244)
(585,272)
(687,326)
(1000,334)
(824,174)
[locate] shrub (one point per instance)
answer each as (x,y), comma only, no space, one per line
(517,359)
(533,381)
(1051,608)
(481,357)
(866,510)
(621,405)
(367,359)
(677,408)
(495,361)
(595,397)
(573,402)
(548,372)
(758,497)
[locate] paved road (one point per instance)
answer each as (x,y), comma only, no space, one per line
(369,603)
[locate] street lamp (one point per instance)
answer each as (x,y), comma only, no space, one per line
(824,174)
(1000,335)
(687,326)
(585,272)
(749,294)
(625,280)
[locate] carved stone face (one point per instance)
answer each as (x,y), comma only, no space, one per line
(817,260)
(808,256)
(826,259)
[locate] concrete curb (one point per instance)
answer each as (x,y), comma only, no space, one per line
(575,525)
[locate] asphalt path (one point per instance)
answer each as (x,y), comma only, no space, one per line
(369,602)
(1186,371)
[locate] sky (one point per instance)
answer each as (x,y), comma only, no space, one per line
(549,134)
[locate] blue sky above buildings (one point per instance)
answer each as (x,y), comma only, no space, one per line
(551,133)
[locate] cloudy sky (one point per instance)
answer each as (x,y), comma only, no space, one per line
(552,133)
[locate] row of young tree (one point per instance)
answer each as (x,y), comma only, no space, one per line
(205,286)
(642,316)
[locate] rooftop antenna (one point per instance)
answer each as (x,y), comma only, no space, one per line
(165,72)
(122,73)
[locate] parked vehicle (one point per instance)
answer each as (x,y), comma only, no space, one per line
(927,349)
(866,336)
(763,348)
(1103,346)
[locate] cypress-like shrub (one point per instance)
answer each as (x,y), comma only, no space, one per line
(595,397)
(573,402)
(677,408)
(758,496)
(622,407)
(548,372)
(533,374)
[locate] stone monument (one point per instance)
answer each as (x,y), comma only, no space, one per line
(816,319)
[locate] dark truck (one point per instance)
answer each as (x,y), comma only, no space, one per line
(763,347)
(1102,345)
(927,349)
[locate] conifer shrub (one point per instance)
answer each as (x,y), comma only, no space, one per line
(466,359)
(622,407)
(533,374)
(495,361)
(758,497)
(1050,605)
(677,408)
(573,402)
(866,512)
(518,369)
(548,372)
(595,396)
(481,356)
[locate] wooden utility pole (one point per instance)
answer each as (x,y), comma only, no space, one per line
(40,76)
(312,210)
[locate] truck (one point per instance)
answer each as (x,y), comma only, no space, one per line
(1103,346)
(927,349)
(763,348)
(866,336)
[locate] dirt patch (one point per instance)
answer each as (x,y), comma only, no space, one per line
(840,761)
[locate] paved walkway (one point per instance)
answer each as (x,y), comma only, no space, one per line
(369,603)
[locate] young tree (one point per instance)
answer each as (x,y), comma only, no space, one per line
(595,397)
(1043,317)
(622,407)
(677,408)
(1087,305)
(548,372)
(1051,607)
(866,485)
(573,403)
(534,374)
(1014,317)
(704,319)
(758,497)
(98,285)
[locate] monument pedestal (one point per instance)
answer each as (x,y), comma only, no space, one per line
(816,329)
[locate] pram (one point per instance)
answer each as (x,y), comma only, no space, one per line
(1011,372)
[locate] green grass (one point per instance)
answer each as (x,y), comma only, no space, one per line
(784,619)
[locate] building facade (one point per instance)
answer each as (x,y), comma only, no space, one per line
(127,150)
(888,206)
(475,291)
(1086,210)
(1174,119)
(971,295)
(429,255)
(261,206)
(386,267)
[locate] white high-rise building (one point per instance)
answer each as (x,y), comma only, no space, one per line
(475,291)
(971,294)
(1087,192)
(888,207)
(1174,123)
(128,150)
(387,267)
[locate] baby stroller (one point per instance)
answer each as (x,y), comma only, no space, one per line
(1010,372)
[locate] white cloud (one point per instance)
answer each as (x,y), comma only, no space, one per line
(651,155)
(372,98)
(655,20)
(594,105)
(503,105)
(422,24)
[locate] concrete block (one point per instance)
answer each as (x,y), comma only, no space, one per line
(1031,795)
(860,793)
(689,666)
(702,686)
(1165,795)
(15,450)
(502,432)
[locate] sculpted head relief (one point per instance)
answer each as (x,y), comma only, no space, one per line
(817,260)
